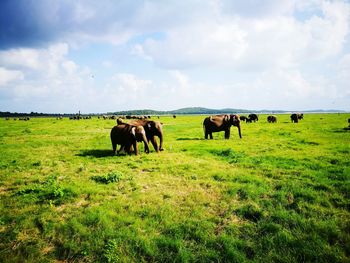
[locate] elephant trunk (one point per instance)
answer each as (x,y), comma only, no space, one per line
(239,130)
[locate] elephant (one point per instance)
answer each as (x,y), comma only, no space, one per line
(120,121)
(271,119)
(253,117)
(221,123)
(152,129)
(127,136)
(243,118)
(295,117)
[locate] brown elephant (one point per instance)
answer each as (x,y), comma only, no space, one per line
(127,137)
(221,123)
(120,121)
(243,118)
(295,117)
(152,129)
(271,119)
(253,117)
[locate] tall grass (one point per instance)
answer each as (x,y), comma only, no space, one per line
(281,193)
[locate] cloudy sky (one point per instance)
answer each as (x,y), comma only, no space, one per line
(99,56)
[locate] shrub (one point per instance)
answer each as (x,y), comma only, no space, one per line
(112,177)
(50,190)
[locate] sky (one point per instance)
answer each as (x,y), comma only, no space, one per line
(62,56)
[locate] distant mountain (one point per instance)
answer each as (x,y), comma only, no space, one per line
(201,110)
(190,110)
(139,112)
(193,110)
(325,111)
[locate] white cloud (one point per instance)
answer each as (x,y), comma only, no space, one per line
(342,78)
(45,77)
(233,39)
(131,84)
(124,90)
(200,44)
(258,8)
(45,60)
(7,76)
(23,57)
(344,65)
(216,53)
(182,80)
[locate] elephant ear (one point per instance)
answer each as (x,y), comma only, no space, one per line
(132,132)
(234,119)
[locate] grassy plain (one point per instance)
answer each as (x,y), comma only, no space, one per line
(280,194)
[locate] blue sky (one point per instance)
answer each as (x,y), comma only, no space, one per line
(100,56)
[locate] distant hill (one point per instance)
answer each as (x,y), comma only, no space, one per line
(201,110)
(189,110)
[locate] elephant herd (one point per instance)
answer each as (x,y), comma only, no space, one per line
(128,134)
(295,117)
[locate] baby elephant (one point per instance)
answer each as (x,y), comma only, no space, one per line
(271,119)
(127,136)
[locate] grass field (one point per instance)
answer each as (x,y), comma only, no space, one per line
(279,194)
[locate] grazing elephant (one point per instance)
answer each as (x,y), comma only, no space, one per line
(127,136)
(271,119)
(152,129)
(243,118)
(120,121)
(295,117)
(221,123)
(253,117)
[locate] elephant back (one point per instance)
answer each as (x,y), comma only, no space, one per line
(217,121)
(152,128)
(121,133)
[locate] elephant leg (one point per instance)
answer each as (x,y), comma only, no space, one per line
(146,147)
(206,135)
(135,147)
(121,149)
(154,143)
(128,148)
(114,147)
(227,134)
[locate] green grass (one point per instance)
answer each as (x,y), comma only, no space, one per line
(280,194)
